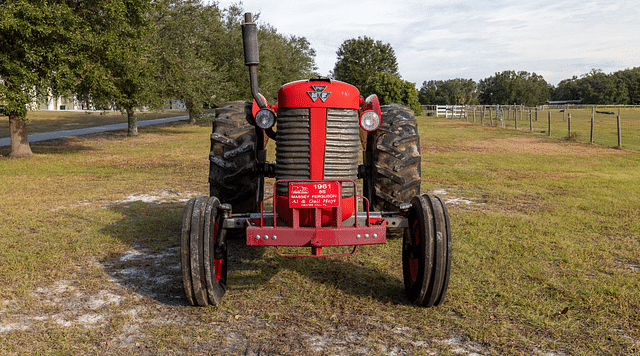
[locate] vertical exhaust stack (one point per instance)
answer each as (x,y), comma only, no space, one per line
(251,56)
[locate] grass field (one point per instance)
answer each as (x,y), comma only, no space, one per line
(45,121)
(545,255)
(605,128)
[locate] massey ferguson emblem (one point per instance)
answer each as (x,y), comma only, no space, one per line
(318,93)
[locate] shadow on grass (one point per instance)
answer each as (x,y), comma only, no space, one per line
(151,267)
(60,146)
(88,142)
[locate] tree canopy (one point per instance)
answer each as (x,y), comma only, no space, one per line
(186,66)
(119,69)
(511,87)
(125,54)
(448,92)
(37,39)
(210,66)
(362,57)
(392,89)
(596,87)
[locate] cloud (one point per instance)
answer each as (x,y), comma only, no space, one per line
(439,39)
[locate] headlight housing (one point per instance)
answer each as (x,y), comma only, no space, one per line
(370,117)
(369,120)
(265,119)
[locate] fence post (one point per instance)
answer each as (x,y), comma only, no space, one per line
(484,108)
(490,115)
(530,121)
(474,114)
(593,116)
(569,125)
(516,121)
(521,111)
(549,121)
(619,131)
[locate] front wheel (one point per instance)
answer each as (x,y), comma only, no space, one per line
(426,251)
(203,259)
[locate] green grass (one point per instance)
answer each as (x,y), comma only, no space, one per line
(45,121)
(545,255)
(605,131)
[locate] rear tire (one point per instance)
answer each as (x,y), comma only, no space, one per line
(233,174)
(396,161)
(396,158)
(426,251)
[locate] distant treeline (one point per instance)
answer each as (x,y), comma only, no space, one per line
(530,89)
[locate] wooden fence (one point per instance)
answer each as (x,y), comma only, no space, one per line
(615,126)
(451,111)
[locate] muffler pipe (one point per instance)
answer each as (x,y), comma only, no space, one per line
(251,56)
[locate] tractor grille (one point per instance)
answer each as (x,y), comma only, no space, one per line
(341,147)
(292,146)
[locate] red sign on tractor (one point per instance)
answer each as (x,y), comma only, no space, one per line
(314,195)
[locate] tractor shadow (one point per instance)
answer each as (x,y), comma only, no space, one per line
(151,266)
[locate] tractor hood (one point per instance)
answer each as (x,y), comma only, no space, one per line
(319,93)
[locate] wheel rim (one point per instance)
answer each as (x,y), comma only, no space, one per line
(218,266)
(414,262)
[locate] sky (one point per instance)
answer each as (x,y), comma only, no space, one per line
(470,39)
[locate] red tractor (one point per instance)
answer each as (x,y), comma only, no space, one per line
(321,124)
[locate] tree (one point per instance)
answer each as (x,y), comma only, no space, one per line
(361,58)
(510,87)
(597,87)
(448,92)
(35,37)
(282,58)
(186,65)
(631,79)
(567,89)
(392,89)
(117,43)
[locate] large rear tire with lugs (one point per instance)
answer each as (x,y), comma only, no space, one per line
(233,172)
(396,161)
(396,158)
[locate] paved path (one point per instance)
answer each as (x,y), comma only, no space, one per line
(89,130)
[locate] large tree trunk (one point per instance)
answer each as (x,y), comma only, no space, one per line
(192,113)
(19,141)
(133,123)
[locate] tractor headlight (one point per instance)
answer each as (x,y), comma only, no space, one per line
(265,119)
(369,120)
